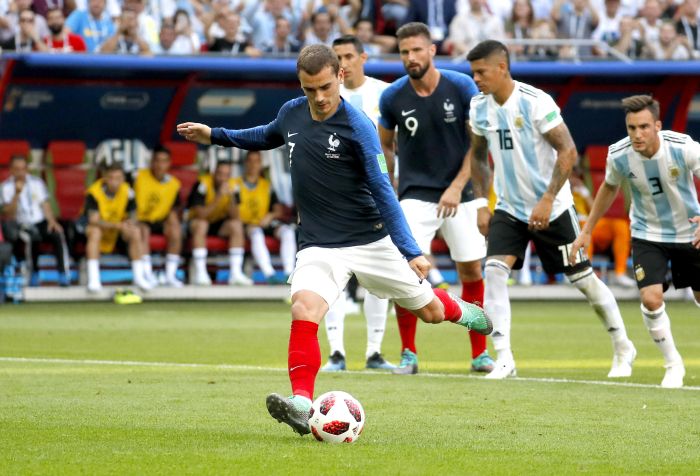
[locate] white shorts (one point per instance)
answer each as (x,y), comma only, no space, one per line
(379,266)
(460,232)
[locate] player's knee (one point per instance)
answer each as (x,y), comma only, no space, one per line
(93,232)
(469,271)
(652,300)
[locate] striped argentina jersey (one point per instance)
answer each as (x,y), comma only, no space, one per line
(663,192)
(366,97)
(523,159)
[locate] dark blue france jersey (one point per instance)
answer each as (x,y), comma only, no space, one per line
(339,179)
(433,137)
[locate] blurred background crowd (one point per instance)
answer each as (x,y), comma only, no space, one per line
(534,29)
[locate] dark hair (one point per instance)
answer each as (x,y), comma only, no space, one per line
(412,29)
(161,149)
(641,102)
(15,158)
(363,20)
(219,163)
(487,48)
(313,58)
(112,167)
(53,9)
(350,40)
(318,12)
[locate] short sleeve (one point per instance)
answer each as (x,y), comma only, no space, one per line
(472,120)
(197,195)
(91,204)
(612,173)
(693,157)
(547,114)
(42,192)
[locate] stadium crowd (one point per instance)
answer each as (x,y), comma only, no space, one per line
(639,29)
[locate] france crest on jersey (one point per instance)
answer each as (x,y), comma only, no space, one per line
(663,192)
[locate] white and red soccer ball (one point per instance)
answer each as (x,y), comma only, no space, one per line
(336,417)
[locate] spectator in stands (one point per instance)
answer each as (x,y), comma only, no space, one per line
(231,42)
(687,25)
(323,28)
(262,215)
(282,43)
(111,225)
(631,42)
(18,6)
(374,45)
(575,20)
(519,25)
(438,15)
(650,20)
(7,29)
(127,39)
(28,220)
(157,203)
(264,24)
(544,30)
(94,25)
(187,39)
(148,27)
(26,37)
(61,40)
(395,11)
(213,212)
(669,46)
(473,26)
(608,29)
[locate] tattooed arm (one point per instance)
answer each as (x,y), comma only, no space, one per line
(481,178)
(560,139)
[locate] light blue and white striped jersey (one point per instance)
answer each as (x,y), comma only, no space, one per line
(523,159)
(663,192)
(366,97)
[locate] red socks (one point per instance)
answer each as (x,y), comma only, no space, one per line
(407,322)
(473,292)
(304,358)
(452,310)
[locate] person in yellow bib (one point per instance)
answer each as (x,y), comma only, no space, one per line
(213,211)
(110,211)
(262,215)
(157,204)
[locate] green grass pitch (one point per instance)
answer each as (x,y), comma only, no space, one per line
(78,396)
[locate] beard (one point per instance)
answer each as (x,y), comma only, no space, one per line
(418,74)
(55,29)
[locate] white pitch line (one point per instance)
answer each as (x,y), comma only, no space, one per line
(132,363)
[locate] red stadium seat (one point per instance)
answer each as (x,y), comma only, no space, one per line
(66,175)
(8,149)
(183,154)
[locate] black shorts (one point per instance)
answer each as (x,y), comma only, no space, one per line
(215,227)
(510,236)
(651,261)
(156,227)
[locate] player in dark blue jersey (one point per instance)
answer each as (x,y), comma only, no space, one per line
(348,219)
(431,109)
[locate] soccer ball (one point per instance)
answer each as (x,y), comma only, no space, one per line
(336,417)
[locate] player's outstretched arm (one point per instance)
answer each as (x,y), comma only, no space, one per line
(386,139)
(195,132)
(560,139)
(481,178)
(696,234)
(603,199)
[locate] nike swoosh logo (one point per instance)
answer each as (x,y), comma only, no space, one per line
(290,134)
(294,368)
(406,113)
